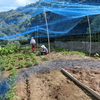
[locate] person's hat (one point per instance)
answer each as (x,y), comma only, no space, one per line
(42,46)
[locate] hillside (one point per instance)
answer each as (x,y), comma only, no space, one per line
(31,18)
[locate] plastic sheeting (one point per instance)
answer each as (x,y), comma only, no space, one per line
(80,46)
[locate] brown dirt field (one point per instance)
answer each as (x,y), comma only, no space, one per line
(89,77)
(53,85)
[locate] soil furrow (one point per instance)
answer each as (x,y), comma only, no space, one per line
(28,89)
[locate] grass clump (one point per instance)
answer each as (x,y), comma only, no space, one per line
(65,52)
(77,52)
(43,58)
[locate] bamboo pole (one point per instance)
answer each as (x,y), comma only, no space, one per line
(47,30)
(95,94)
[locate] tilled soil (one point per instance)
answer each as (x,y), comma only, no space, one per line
(50,85)
(46,82)
(89,77)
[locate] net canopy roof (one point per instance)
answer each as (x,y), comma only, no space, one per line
(61,16)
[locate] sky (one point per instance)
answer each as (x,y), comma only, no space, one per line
(6,5)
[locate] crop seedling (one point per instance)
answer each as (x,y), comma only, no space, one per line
(20,57)
(27,56)
(9,49)
(32,55)
(2,68)
(36,61)
(14,60)
(8,60)
(96,55)
(13,63)
(10,95)
(28,63)
(21,64)
(13,71)
(11,67)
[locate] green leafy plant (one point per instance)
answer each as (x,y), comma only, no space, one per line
(77,52)
(35,60)
(14,59)
(10,67)
(2,68)
(28,63)
(96,55)
(64,52)
(9,56)
(7,61)
(32,55)
(21,64)
(9,49)
(20,57)
(27,59)
(10,95)
(13,72)
(13,63)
